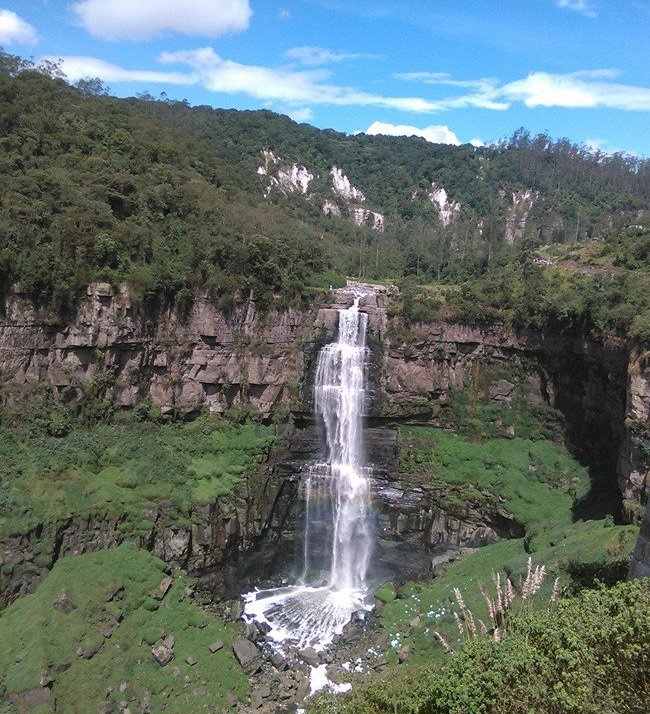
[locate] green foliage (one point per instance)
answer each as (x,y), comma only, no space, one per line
(123,469)
(535,481)
(100,651)
(589,655)
(167,198)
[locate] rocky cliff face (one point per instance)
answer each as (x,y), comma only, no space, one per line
(265,361)
(211,359)
(587,383)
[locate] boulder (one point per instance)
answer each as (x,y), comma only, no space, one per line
(162,654)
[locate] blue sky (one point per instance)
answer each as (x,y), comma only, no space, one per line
(453,71)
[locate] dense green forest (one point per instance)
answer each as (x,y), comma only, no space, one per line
(167,198)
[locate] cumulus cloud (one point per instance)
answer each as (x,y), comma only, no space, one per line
(437,134)
(301,114)
(317,55)
(581,6)
(144,19)
(15,31)
(76,68)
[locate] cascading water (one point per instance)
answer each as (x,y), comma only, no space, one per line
(337,506)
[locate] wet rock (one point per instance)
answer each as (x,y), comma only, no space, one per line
(278,660)
(309,656)
(265,691)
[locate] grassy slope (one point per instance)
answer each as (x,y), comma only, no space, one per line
(121,469)
(538,482)
(107,587)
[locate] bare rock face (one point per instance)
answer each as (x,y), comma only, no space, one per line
(640,565)
(634,457)
(210,359)
(587,382)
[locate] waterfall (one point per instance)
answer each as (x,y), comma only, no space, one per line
(337,530)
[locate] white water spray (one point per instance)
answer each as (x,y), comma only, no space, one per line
(337,506)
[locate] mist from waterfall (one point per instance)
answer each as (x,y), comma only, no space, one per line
(337,531)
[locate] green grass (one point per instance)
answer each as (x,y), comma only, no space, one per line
(590,544)
(536,481)
(122,469)
(111,589)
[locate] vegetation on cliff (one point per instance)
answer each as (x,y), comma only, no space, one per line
(122,472)
(86,640)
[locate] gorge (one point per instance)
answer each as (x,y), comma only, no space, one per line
(593,395)
(266,363)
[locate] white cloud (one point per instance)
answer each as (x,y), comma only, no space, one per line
(285,84)
(484,94)
(581,89)
(575,90)
(437,134)
(301,114)
(144,19)
(15,31)
(296,90)
(584,8)
(76,68)
(313,56)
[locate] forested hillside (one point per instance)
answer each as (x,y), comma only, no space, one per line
(173,199)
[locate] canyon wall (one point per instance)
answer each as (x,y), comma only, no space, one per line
(265,361)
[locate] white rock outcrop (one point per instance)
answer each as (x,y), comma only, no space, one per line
(342,186)
(293,178)
(446,208)
(518,212)
(364,217)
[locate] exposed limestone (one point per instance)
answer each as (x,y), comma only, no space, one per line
(331,209)
(364,217)
(518,212)
(446,207)
(341,185)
